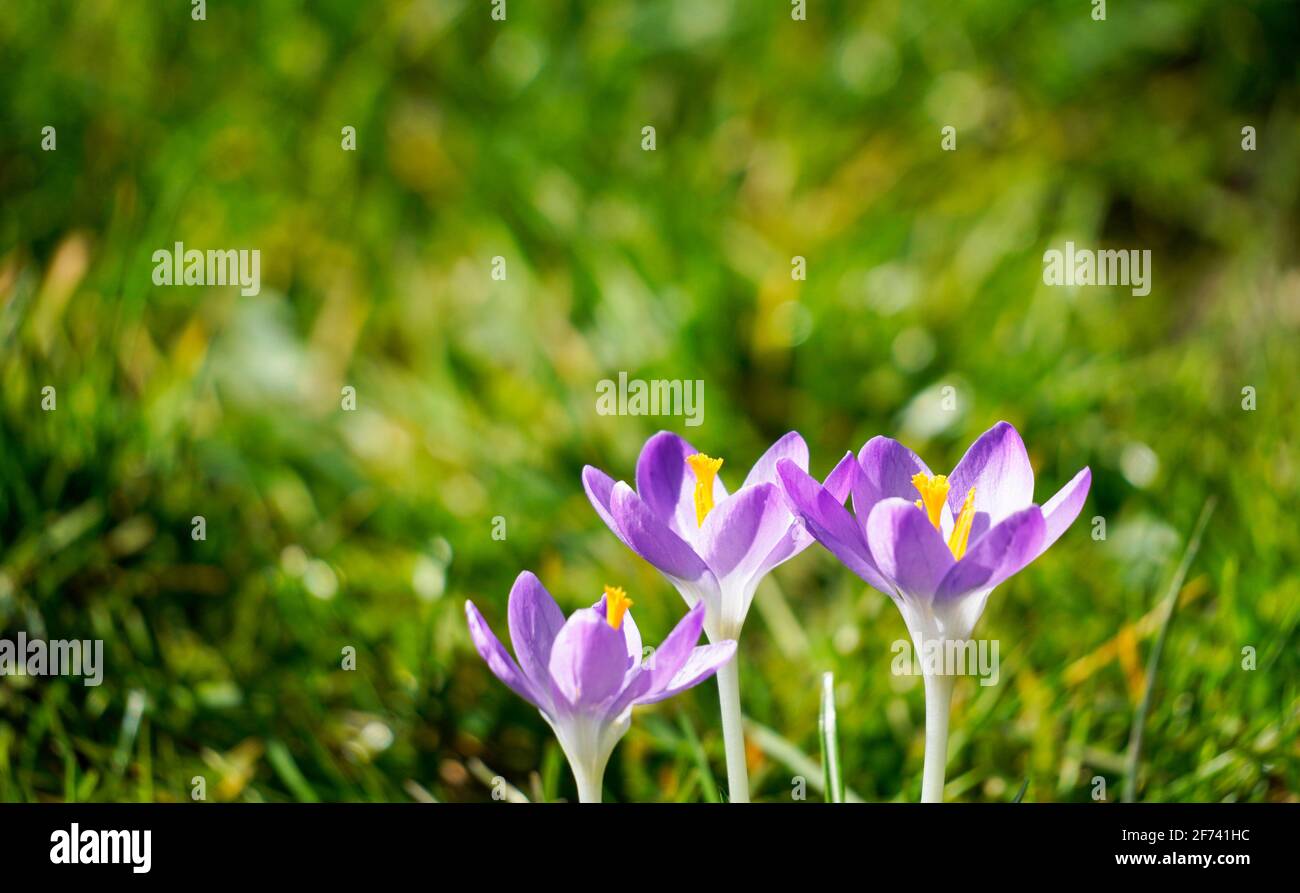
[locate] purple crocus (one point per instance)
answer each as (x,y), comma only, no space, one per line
(585,674)
(937,544)
(715,547)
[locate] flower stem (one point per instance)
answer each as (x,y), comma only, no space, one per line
(733,735)
(938,698)
(588,786)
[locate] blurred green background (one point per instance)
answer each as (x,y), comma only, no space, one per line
(476,398)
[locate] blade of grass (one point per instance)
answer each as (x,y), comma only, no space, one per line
(283,763)
(708,783)
(69,776)
(832,781)
(1134,756)
(135,703)
(686,793)
(1020,794)
(790,756)
(418,792)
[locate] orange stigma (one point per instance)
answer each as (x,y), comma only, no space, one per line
(934,493)
(616,605)
(961,529)
(706,471)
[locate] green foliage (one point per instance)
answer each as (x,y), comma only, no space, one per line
(329,529)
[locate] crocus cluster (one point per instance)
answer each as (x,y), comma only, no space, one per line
(935,544)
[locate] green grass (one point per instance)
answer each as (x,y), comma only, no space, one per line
(476,398)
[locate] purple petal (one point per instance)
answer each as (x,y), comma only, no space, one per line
(998,554)
(498,659)
(839,483)
(667,485)
(791,447)
(703,662)
(740,533)
(795,540)
(887,468)
(997,466)
(600,489)
(908,549)
(632,636)
(1060,511)
(830,522)
(650,538)
(535,620)
(666,660)
(676,646)
(588,660)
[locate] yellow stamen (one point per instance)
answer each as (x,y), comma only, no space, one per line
(616,605)
(934,492)
(961,529)
(706,469)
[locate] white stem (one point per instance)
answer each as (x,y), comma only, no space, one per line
(589,784)
(587,741)
(733,735)
(938,698)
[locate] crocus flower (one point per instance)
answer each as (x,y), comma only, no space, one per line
(937,544)
(715,547)
(585,674)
